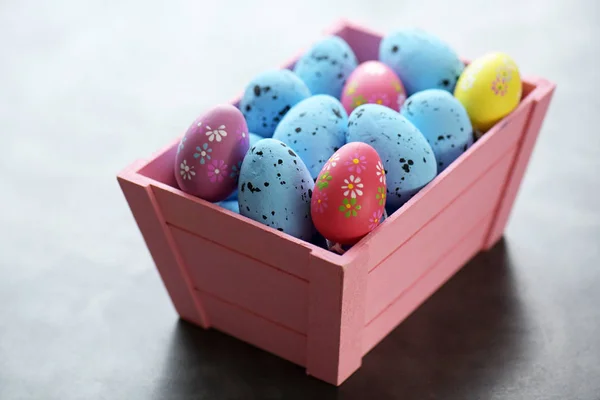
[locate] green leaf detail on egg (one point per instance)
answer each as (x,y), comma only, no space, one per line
(324,181)
(380,195)
(349,208)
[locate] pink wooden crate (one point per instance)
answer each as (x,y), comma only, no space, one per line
(310,306)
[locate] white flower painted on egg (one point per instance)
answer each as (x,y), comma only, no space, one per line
(470,75)
(217,134)
(332,162)
(186,171)
(352,187)
(380,172)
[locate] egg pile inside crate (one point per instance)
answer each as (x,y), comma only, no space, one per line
(322,152)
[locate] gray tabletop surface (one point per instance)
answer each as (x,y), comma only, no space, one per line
(86,87)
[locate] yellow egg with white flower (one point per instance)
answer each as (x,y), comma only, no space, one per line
(489,88)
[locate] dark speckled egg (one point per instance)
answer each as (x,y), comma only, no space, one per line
(443,121)
(275,189)
(421,60)
(253,139)
(407,157)
(268,97)
(315,128)
(326,66)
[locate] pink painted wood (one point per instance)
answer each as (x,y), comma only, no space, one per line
(255,284)
(542,97)
(310,306)
(407,263)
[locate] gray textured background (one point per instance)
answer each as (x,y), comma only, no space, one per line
(86,87)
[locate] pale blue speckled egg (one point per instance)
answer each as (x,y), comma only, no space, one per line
(443,121)
(253,139)
(268,97)
(421,60)
(407,157)
(315,128)
(275,189)
(231,205)
(326,66)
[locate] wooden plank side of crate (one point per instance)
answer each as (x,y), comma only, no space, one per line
(161,245)
(543,95)
(255,330)
(446,187)
(422,289)
(249,283)
(232,230)
(408,263)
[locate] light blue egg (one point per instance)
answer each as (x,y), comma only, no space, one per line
(326,66)
(268,97)
(231,205)
(253,139)
(443,121)
(275,188)
(406,155)
(315,128)
(421,60)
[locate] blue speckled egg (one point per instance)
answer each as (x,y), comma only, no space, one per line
(268,97)
(275,189)
(421,60)
(443,121)
(231,205)
(407,157)
(315,128)
(326,66)
(253,138)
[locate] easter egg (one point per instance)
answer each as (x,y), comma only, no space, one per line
(268,97)
(443,121)
(349,197)
(489,89)
(275,188)
(406,155)
(253,139)
(315,128)
(231,205)
(373,82)
(210,153)
(326,66)
(421,60)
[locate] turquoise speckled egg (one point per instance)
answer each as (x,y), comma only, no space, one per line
(443,121)
(407,157)
(268,97)
(326,66)
(231,205)
(275,189)
(253,138)
(315,128)
(421,60)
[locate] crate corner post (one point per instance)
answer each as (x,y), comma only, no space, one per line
(137,190)
(337,293)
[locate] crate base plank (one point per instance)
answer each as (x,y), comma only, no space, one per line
(313,307)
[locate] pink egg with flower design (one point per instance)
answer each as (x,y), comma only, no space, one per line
(349,196)
(373,82)
(209,156)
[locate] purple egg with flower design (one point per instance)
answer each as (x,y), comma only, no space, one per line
(209,156)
